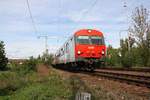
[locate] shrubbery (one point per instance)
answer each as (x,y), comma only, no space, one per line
(46,59)
(3,59)
(26,67)
(112,58)
(126,60)
(10,82)
(30,87)
(31,64)
(19,75)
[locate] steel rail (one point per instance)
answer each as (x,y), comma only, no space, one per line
(128,69)
(143,77)
(130,80)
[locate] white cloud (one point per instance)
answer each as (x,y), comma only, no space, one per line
(23,48)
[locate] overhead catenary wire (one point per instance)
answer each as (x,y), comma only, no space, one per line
(88,10)
(83,15)
(31,16)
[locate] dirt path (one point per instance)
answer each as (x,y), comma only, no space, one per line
(43,70)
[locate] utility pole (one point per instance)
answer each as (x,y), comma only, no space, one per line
(129,40)
(46,37)
(129,37)
(121,32)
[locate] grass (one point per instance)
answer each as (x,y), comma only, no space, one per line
(52,89)
(9,82)
(30,86)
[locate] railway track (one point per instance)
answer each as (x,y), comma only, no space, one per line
(139,78)
(128,69)
(136,79)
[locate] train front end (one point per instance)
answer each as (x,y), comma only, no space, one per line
(90,49)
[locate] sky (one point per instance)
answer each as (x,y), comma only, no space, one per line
(60,19)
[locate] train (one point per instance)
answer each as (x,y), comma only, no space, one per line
(84,50)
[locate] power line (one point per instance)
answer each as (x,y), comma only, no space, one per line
(90,8)
(87,11)
(31,17)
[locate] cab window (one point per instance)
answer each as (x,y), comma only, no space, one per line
(97,40)
(83,39)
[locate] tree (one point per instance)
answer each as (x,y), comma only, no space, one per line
(112,56)
(126,55)
(140,25)
(47,59)
(140,31)
(31,64)
(3,59)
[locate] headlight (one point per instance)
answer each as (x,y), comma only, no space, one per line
(103,52)
(89,31)
(79,52)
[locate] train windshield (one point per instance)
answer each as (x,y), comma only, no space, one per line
(97,40)
(83,40)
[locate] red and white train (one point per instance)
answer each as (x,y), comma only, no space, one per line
(84,50)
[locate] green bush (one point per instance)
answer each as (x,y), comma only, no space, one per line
(31,64)
(3,59)
(23,69)
(112,58)
(10,82)
(148,62)
(127,60)
(16,77)
(47,59)
(53,88)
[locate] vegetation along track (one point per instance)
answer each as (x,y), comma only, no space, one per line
(131,77)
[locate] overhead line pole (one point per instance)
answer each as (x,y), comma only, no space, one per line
(46,37)
(125,6)
(121,32)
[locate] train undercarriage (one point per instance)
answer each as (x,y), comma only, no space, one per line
(82,65)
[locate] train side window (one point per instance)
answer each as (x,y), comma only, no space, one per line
(62,52)
(67,47)
(59,53)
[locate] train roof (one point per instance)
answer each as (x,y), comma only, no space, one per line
(90,32)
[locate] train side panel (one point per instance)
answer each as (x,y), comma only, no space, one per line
(62,56)
(66,53)
(70,50)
